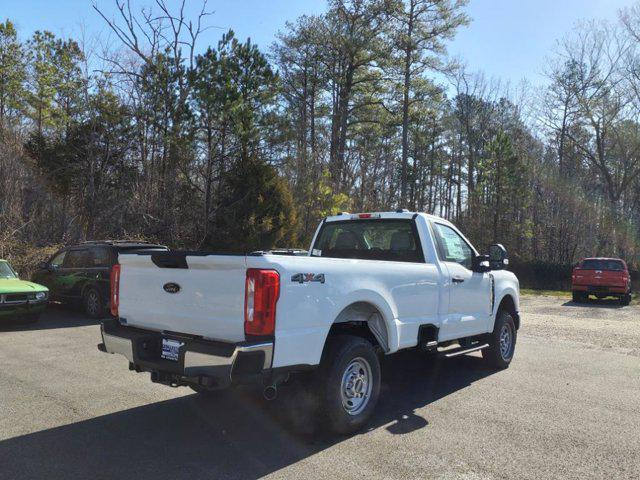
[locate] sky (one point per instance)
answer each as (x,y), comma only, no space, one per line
(508,40)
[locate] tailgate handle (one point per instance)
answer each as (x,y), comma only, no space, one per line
(170,259)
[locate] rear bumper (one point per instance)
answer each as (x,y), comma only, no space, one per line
(205,363)
(600,289)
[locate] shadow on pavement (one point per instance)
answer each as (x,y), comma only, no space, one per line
(233,434)
(604,303)
(55,316)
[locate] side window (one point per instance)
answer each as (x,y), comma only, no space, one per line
(452,247)
(99,257)
(77,259)
(58,260)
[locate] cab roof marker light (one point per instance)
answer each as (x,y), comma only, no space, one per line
(356,216)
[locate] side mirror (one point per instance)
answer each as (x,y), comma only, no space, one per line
(498,257)
(43,266)
(481,263)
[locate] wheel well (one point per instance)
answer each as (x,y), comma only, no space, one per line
(364,320)
(509,305)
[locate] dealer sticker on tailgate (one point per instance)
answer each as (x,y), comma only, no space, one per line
(171,349)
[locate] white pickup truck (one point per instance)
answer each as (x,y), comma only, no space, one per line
(371,284)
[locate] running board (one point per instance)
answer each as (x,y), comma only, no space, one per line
(455,353)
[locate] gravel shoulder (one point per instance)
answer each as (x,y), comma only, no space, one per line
(597,324)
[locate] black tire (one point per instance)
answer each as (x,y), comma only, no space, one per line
(500,353)
(92,303)
(350,364)
(576,297)
(625,300)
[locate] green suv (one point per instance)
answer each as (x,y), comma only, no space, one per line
(19,299)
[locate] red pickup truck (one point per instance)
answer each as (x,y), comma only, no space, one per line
(602,277)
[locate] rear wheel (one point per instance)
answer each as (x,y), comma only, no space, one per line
(580,297)
(625,299)
(93,304)
(350,383)
(502,342)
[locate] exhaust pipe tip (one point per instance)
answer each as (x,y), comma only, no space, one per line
(270,392)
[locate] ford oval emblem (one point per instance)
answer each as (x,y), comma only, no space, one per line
(171,287)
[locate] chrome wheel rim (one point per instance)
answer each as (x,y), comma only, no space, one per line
(506,341)
(356,386)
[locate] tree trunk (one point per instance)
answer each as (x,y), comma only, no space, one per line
(406,89)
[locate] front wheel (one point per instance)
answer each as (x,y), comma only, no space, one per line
(350,383)
(502,342)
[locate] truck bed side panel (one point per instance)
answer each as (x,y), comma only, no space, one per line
(405,294)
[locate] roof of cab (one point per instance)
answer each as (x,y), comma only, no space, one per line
(603,258)
(399,214)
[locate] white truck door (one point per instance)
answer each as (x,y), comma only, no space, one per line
(469,292)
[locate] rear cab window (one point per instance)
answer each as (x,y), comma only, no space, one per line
(393,240)
(598,264)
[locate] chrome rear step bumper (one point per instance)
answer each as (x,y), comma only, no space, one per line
(210,364)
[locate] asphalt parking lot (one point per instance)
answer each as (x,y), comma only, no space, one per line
(569,407)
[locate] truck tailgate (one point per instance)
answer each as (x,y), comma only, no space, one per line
(206,298)
(597,278)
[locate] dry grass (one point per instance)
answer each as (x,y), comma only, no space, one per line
(24,258)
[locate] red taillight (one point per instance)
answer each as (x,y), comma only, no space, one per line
(262,289)
(115,289)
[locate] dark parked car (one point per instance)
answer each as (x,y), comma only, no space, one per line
(80,274)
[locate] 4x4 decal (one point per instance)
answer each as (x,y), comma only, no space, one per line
(308,277)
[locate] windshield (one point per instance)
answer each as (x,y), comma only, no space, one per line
(6,271)
(615,265)
(391,240)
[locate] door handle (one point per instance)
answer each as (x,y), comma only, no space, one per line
(457,279)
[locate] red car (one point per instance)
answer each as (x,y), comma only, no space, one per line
(602,277)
